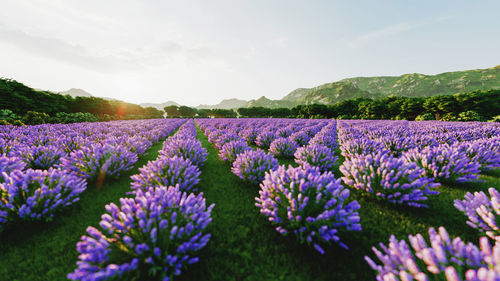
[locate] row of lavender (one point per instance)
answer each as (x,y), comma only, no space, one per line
(403,162)
(306,201)
(158,232)
(45,168)
(400,162)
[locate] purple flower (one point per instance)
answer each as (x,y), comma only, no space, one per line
(442,259)
(301,138)
(130,246)
(265,139)
(444,163)
(251,166)
(230,150)
(283,147)
(9,164)
(309,204)
(37,194)
(482,211)
(100,161)
(316,155)
(41,157)
(167,172)
(389,178)
(186,148)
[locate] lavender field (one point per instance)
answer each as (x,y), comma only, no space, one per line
(250,199)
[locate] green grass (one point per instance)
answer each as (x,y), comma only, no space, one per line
(244,245)
(47,250)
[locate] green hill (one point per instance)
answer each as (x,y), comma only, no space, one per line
(408,85)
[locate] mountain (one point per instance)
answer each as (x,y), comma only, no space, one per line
(265,102)
(225,104)
(76,93)
(159,106)
(409,85)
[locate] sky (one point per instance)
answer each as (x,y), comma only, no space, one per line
(201,52)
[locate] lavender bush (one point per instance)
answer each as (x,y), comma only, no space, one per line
(187,148)
(166,171)
(283,147)
(389,178)
(41,157)
(252,165)
(230,150)
(37,194)
(150,237)
(443,259)
(316,155)
(265,139)
(310,204)
(301,138)
(9,164)
(100,161)
(444,163)
(482,212)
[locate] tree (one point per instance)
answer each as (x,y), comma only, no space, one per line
(172,111)
(186,111)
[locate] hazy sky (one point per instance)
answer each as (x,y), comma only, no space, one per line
(204,51)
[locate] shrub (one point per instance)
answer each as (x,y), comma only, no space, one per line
(301,138)
(308,204)
(389,178)
(316,155)
(35,118)
(283,148)
(424,117)
(151,237)
(9,164)
(482,211)
(230,150)
(167,171)
(99,161)
(444,259)
(252,165)
(265,139)
(469,116)
(444,163)
(37,194)
(41,157)
(186,148)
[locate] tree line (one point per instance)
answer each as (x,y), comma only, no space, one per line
(21,99)
(471,106)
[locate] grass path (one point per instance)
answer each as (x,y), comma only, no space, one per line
(47,251)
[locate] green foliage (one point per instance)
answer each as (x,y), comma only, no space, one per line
(18,123)
(469,116)
(424,117)
(495,119)
(4,122)
(8,115)
(65,118)
(20,99)
(34,118)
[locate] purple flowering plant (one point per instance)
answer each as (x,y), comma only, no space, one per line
(99,161)
(441,259)
(252,165)
(166,171)
(389,178)
(316,155)
(444,163)
(283,147)
(483,212)
(37,194)
(150,237)
(186,148)
(308,204)
(230,150)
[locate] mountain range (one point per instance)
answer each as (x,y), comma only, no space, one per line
(409,85)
